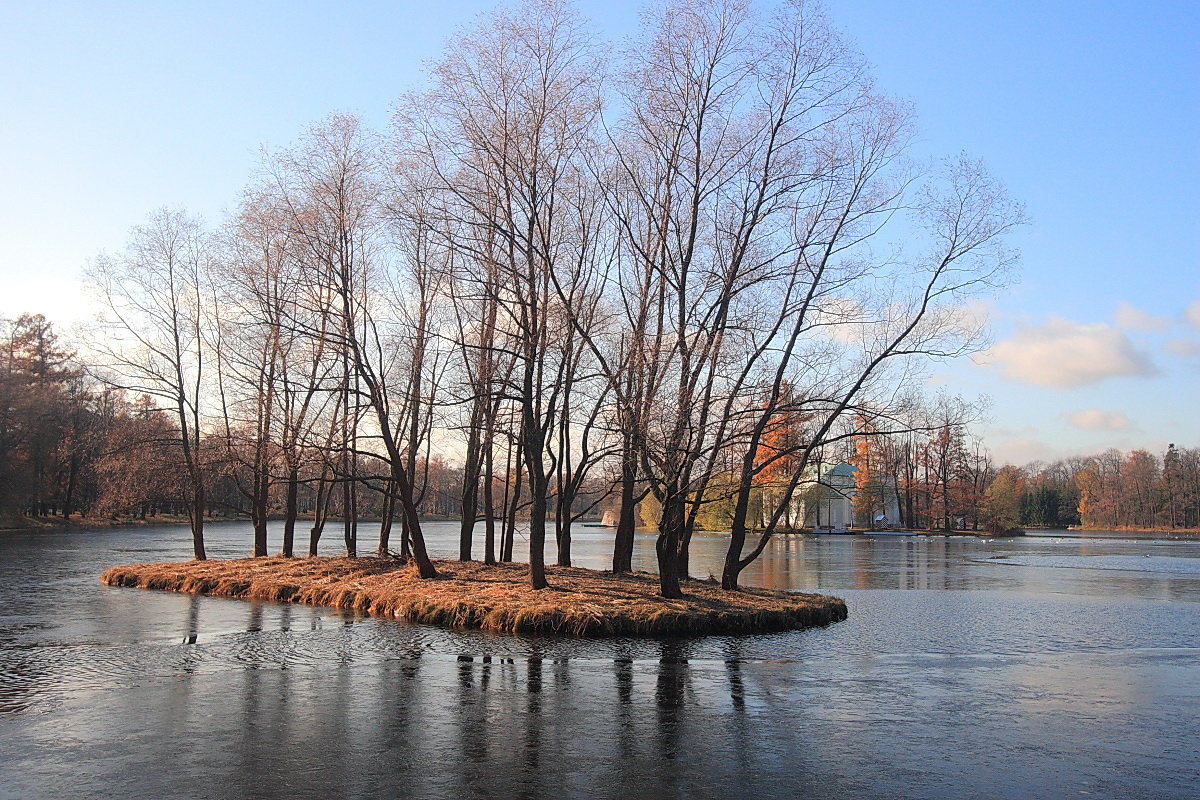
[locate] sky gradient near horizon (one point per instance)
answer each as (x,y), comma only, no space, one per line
(1088,112)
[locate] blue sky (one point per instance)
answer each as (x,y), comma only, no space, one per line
(1088,111)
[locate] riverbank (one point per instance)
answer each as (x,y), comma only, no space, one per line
(497,598)
(903,532)
(25,524)
(1160,531)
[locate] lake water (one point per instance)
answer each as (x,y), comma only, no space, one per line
(1050,666)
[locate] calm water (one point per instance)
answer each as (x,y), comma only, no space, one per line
(1044,667)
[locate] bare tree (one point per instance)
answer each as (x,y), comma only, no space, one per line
(329,185)
(250,338)
(674,191)
(150,337)
(418,285)
(503,130)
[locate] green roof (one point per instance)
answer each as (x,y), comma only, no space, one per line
(843,470)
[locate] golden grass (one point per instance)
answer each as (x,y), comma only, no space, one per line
(581,602)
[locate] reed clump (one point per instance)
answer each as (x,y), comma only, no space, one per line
(580,602)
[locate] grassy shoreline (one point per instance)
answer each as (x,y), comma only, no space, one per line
(496,598)
(59,524)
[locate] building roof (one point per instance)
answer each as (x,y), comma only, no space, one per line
(843,470)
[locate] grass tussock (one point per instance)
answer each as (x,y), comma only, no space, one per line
(581,602)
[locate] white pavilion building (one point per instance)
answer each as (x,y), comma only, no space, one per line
(835,508)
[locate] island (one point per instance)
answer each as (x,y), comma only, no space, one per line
(469,594)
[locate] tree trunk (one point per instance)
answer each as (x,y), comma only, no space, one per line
(489,510)
(289,519)
(537,532)
(198,522)
(670,530)
(258,513)
(470,493)
(385,523)
(683,559)
(405,539)
(562,528)
(320,512)
(510,532)
(741,511)
(733,556)
(413,524)
(623,546)
(350,518)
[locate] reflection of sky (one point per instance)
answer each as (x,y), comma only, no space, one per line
(966,667)
(1149,569)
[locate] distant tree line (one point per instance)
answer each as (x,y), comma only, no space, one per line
(71,446)
(946,480)
(1112,490)
(666,277)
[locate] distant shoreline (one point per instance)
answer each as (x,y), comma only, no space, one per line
(58,524)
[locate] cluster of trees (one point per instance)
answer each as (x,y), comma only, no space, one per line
(72,445)
(672,275)
(68,445)
(1112,490)
(946,480)
(42,436)
(929,472)
(939,472)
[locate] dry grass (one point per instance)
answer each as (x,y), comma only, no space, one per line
(470,595)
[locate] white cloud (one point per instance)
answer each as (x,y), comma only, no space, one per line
(1063,355)
(976,313)
(1094,419)
(1193,314)
(1130,316)
(1022,451)
(1183,347)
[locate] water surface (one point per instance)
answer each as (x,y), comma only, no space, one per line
(1047,666)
